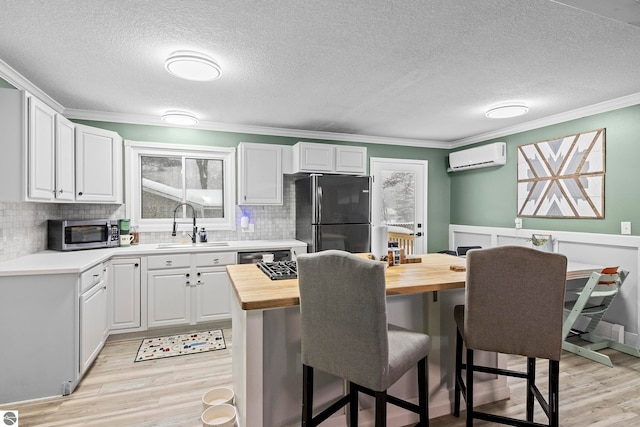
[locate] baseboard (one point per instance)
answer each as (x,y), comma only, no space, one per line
(159,332)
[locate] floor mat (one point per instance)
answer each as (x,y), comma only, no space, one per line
(180,345)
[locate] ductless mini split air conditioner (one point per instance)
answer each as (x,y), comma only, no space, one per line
(484,156)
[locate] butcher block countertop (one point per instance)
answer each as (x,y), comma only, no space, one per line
(255,291)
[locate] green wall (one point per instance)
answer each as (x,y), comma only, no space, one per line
(5,84)
(487,197)
(438,189)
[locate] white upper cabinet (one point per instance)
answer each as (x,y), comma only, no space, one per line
(259,174)
(65,159)
(351,159)
(38,150)
(41,152)
(98,165)
(311,157)
(44,155)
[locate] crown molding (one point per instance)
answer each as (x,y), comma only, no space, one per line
(18,81)
(578,113)
(140,119)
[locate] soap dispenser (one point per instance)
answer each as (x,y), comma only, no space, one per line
(203,235)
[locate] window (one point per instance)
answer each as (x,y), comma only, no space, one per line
(160,177)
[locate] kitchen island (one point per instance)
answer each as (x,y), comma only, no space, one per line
(267,371)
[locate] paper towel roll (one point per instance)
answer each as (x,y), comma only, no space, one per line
(379,241)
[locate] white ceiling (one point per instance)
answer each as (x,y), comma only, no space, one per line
(420,72)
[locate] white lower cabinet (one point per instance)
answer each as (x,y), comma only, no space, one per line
(197,291)
(213,293)
(124,295)
(94,327)
(169,297)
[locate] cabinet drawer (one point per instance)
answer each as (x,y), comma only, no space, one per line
(90,277)
(215,258)
(168,261)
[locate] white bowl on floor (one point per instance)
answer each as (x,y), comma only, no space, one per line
(217,396)
(223,415)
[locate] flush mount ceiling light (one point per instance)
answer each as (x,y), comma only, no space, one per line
(192,66)
(176,117)
(506,111)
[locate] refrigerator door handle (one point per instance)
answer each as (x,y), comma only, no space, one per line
(319,204)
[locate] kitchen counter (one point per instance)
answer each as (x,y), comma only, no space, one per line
(55,262)
(255,290)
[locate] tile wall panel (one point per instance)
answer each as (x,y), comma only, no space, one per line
(23,226)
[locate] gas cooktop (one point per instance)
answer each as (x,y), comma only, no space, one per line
(279,270)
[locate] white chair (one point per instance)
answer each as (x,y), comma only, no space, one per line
(594,299)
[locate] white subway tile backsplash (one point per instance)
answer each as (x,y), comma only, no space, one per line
(23,226)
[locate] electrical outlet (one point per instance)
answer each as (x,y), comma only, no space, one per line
(518,223)
(625,227)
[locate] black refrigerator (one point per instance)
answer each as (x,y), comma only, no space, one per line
(334,212)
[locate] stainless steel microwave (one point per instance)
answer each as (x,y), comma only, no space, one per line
(73,235)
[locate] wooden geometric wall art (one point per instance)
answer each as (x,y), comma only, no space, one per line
(563,178)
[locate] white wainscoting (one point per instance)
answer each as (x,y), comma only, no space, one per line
(590,248)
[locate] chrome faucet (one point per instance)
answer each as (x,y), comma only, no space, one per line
(175,225)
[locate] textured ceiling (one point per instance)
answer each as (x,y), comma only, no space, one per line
(423,70)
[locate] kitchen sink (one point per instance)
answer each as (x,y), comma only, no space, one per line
(191,245)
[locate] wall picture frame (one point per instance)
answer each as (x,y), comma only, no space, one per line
(562,177)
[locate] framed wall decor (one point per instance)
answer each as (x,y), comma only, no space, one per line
(563,177)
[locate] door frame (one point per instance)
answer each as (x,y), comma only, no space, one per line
(375,216)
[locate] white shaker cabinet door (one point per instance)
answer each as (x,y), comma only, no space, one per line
(213,296)
(351,159)
(65,159)
(311,157)
(260,174)
(93,324)
(98,165)
(41,150)
(124,294)
(169,297)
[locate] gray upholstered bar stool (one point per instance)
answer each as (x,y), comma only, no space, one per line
(514,299)
(345,333)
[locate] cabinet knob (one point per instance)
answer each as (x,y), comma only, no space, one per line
(61,191)
(199,282)
(80,193)
(198,274)
(188,283)
(187,274)
(135,265)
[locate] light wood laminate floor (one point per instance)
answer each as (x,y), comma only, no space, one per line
(167,392)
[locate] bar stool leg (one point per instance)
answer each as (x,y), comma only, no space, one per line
(381,408)
(307,396)
(458,374)
(469,386)
(531,383)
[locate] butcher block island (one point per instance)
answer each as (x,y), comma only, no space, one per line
(255,291)
(267,371)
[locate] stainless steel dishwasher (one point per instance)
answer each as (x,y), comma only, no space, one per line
(255,257)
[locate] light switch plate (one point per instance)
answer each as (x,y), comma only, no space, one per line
(625,227)
(518,223)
